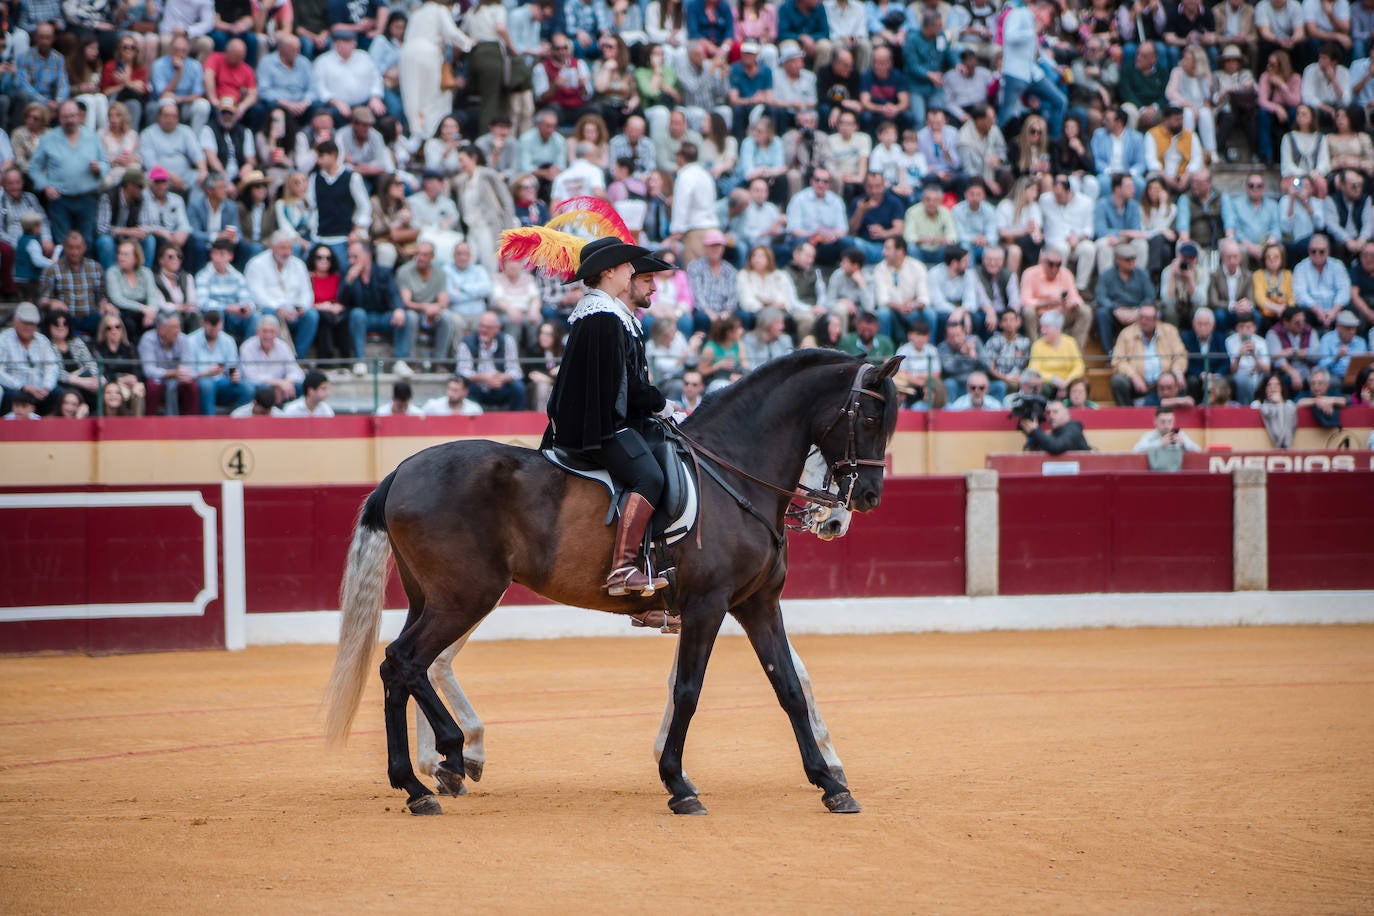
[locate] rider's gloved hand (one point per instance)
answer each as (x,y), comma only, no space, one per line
(667,410)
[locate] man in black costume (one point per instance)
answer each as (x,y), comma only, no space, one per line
(603,398)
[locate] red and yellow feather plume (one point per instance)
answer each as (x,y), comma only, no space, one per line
(556,247)
(557,254)
(591,218)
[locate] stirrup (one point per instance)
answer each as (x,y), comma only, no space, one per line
(663,621)
(627,579)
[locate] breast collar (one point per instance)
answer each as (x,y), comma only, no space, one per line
(596,302)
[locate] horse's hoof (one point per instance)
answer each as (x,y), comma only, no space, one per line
(450,783)
(441,789)
(841,803)
(691,805)
(425,806)
(473,768)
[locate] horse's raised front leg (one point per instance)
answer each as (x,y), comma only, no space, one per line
(699,628)
(474,750)
(762,623)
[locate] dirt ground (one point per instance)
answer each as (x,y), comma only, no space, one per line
(1224,770)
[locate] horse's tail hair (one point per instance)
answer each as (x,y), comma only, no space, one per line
(360,600)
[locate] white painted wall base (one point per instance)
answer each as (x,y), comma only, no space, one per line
(896,615)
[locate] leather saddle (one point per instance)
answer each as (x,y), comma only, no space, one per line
(676,514)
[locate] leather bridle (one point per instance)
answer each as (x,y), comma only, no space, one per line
(850,463)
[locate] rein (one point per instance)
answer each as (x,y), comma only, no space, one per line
(820,497)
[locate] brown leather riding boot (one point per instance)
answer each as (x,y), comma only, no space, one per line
(625,577)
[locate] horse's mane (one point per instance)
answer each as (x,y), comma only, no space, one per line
(742,396)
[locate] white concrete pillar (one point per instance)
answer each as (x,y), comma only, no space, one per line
(981,533)
(1250,537)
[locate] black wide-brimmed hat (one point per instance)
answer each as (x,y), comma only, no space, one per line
(603,254)
(652,264)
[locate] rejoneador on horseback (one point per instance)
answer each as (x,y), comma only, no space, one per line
(464,520)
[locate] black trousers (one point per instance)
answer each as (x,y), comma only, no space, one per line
(630,462)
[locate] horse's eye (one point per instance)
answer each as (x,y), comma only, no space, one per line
(870,422)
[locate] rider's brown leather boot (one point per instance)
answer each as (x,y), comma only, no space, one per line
(625,577)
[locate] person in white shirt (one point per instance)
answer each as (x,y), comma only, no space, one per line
(315,401)
(848,20)
(1165,434)
(976,395)
(401,404)
(1068,222)
(581,177)
(346,77)
(901,290)
(694,203)
(280,285)
(918,376)
(1249,358)
(266,360)
(264,404)
(1326,84)
(454,402)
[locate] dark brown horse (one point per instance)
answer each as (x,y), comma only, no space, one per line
(465,519)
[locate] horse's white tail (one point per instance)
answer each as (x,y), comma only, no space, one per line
(360,599)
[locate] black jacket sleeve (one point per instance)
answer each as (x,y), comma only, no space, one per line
(1069,438)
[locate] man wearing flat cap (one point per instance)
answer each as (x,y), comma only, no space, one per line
(28,362)
(1121,291)
(1339,344)
(362,147)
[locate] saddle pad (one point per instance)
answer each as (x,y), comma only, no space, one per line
(676,530)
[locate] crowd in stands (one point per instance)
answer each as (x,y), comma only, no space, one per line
(205,203)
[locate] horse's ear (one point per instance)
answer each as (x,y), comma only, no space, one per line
(889,368)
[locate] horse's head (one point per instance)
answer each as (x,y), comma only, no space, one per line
(854,442)
(825,522)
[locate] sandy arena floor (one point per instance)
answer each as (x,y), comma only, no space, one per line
(1103,771)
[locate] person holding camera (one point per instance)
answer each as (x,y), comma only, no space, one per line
(1183,286)
(1065,434)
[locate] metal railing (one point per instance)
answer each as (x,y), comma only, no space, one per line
(353,393)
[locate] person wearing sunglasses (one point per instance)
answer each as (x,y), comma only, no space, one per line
(1252,219)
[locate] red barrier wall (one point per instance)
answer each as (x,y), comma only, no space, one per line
(1321,531)
(107,555)
(1115,533)
(297,541)
(912,545)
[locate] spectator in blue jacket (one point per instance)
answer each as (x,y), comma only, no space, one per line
(711,23)
(1252,219)
(925,58)
(1116,148)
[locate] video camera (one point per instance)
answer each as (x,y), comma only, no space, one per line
(1027,407)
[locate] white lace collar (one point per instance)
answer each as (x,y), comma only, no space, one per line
(597,301)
